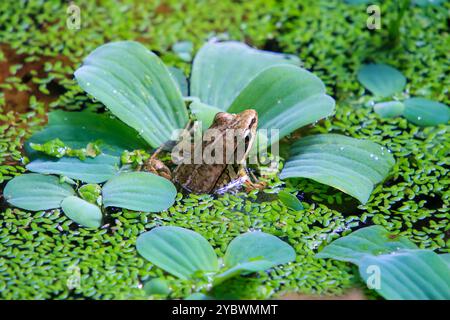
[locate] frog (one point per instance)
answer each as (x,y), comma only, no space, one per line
(227,175)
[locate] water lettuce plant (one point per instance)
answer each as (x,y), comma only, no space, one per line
(384,81)
(393,265)
(140,191)
(145,95)
(187,255)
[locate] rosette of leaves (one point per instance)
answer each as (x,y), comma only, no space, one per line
(187,255)
(384,82)
(139,191)
(226,76)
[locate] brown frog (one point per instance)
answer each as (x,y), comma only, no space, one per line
(237,133)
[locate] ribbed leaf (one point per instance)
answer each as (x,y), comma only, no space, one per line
(382,80)
(409,275)
(372,240)
(140,191)
(424,112)
(180,80)
(136,87)
(36,192)
(392,264)
(221,70)
(178,251)
(350,165)
(286,98)
(90,170)
(253,252)
(82,212)
(77,129)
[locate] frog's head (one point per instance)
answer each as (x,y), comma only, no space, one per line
(248,122)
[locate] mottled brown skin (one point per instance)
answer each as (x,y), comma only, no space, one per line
(209,178)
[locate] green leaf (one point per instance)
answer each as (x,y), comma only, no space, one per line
(374,240)
(82,212)
(91,170)
(351,165)
(204,113)
(77,129)
(286,98)
(221,70)
(382,80)
(253,252)
(179,251)
(139,191)
(157,286)
(290,201)
(180,80)
(183,49)
(446,258)
(389,109)
(134,84)
(424,112)
(409,275)
(36,192)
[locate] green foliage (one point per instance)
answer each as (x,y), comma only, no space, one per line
(290,200)
(141,93)
(82,212)
(91,193)
(253,252)
(57,148)
(389,109)
(157,286)
(286,98)
(404,271)
(91,170)
(36,192)
(134,158)
(424,112)
(350,165)
(382,80)
(181,252)
(140,191)
(187,255)
(413,201)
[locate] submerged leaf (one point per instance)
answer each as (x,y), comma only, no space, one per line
(382,80)
(134,84)
(179,251)
(424,112)
(82,212)
(36,192)
(351,165)
(139,191)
